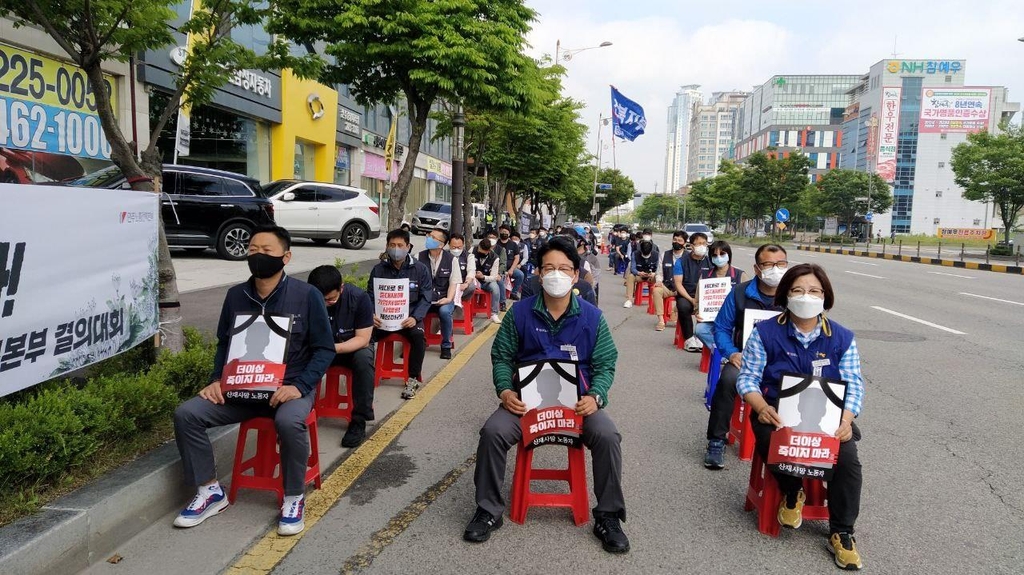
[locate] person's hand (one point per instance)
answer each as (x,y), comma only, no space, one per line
(511,403)
(442,301)
(408,322)
(212,393)
(845,431)
(769,416)
(284,394)
(736,359)
(480,276)
(587,405)
(696,316)
(376,321)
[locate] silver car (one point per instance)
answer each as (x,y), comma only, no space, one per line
(691,229)
(431,215)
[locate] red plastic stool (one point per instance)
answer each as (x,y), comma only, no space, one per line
(679,341)
(334,394)
(385,366)
(482,302)
(670,305)
(428,329)
(467,317)
(763,495)
(576,475)
(740,430)
(642,293)
(705,359)
(265,463)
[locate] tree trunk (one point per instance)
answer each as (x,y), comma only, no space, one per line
(419,110)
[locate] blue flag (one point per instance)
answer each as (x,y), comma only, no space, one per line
(628,120)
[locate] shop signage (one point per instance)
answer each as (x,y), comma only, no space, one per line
(376,141)
(439,171)
(904,67)
(245,79)
(962,110)
(349,121)
(315,106)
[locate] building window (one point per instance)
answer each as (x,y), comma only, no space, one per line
(977,222)
(942,136)
(935,221)
(938,194)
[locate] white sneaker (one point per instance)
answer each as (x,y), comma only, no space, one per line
(292,522)
(495,318)
(411,387)
(207,503)
(628,303)
(692,344)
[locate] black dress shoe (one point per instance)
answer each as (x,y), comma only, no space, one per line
(480,527)
(355,434)
(501,307)
(608,529)
(446,353)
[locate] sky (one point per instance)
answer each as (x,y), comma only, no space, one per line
(659,45)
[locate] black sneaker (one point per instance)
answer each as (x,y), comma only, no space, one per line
(355,434)
(480,527)
(714,458)
(608,529)
(501,307)
(446,353)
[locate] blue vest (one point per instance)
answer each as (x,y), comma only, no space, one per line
(786,354)
(537,343)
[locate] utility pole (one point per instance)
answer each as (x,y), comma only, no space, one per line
(597,167)
(458,173)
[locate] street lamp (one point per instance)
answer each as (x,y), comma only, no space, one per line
(568,53)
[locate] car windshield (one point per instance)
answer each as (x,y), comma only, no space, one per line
(100,179)
(692,228)
(437,207)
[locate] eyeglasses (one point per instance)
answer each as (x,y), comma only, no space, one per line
(567,270)
(765,266)
(816,292)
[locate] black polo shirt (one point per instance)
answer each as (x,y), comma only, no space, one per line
(353,311)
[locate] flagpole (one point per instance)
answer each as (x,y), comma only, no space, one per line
(597,167)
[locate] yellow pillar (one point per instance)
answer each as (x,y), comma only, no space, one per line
(309,115)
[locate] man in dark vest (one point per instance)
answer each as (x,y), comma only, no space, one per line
(488,274)
(665,287)
(467,265)
(686,275)
(759,293)
(446,274)
(642,268)
(555,325)
(310,351)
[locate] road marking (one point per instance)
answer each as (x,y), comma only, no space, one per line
(865,275)
(265,554)
(991,298)
(918,320)
(952,275)
(862,263)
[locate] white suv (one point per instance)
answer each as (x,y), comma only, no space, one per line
(323,212)
(691,229)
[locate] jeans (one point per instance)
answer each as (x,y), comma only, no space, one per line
(444,313)
(497,290)
(705,332)
(517,281)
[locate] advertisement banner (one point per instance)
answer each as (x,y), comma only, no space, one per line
(70,299)
(550,390)
(375,167)
(966,233)
(810,408)
(711,294)
(391,302)
(957,110)
(255,365)
(888,134)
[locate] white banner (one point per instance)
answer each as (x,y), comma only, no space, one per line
(78,278)
(391,299)
(711,294)
(888,134)
(751,317)
(962,110)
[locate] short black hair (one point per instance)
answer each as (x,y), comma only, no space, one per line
(560,244)
(648,231)
(399,233)
(444,233)
(456,236)
(492,232)
(681,234)
(797,271)
(325,279)
(515,234)
(698,236)
(542,229)
(721,246)
(505,227)
(485,244)
(770,248)
(281,233)
(405,226)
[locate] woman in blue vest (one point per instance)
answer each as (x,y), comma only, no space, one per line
(721,258)
(803,340)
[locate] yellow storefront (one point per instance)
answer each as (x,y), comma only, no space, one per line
(304,142)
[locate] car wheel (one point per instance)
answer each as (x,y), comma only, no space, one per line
(353,236)
(321,241)
(233,241)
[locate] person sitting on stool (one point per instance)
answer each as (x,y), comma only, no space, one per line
(444,270)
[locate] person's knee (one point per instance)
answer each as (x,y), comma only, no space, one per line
(445,312)
(495,434)
(185,415)
(290,424)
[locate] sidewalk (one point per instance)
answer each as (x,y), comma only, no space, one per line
(973,261)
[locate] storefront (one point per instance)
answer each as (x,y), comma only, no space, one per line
(440,174)
(374,180)
(308,127)
(348,146)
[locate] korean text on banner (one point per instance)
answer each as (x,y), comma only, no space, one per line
(955,110)
(550,390)
(888,134)
(966,233)
(711,294)
(752,316)
(810,408)
(255,365)
(391,299)
(65,308)
(628,119)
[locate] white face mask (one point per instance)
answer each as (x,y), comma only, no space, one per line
(806,306)
(456,252)
(772,277)
(556,283)
(700,251)
(647,238)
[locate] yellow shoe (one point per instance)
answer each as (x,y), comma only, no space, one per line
(792,518)
(844,548)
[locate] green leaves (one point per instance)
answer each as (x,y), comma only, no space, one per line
(990,168)
(846,193)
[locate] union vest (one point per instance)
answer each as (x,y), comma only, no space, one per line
(443,275)
(537,343)
(668,264)
(463,262)
(743,303)
(648,264)
(786,354)
(485,264)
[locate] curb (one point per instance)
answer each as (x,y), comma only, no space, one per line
(999,268)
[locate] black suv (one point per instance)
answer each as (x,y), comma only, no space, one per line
(202,208)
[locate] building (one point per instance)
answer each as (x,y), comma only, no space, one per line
(903,120)
(711,135)
(677,152)
(793,112)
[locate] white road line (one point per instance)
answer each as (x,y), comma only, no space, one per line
(952,275)
(991,298)
(862,263)
(865,275)
(918,320)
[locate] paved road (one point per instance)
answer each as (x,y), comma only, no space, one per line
(941,454)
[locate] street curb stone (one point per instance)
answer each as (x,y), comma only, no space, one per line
(999,268)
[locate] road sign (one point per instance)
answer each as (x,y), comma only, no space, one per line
(600,195)
(782,215)
(604,186)
(593,211)
(869,217)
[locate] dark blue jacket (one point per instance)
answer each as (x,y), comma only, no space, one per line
(729,321)
(421,284)
(537,343)
(311,344)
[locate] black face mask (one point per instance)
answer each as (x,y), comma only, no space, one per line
(676,246)
(504,236)
(263,266)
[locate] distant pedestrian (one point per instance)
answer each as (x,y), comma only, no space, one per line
(892,236)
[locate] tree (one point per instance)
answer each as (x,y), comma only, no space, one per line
(845,193)
(656,211)
(93,32)
(990,168)
(465,52)
(581,198)
(771,181)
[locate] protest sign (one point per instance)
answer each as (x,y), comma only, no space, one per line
(255,364)
(711,294)
(391,299)
(810,408)
(550,390)
(752,316)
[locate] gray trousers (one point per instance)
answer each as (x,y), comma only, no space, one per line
(502,431)
(195,416)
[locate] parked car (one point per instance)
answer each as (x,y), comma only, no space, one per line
(201,208)
(431,215)
(324,212)
(691,229)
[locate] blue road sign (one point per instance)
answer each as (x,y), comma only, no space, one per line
(869,217)
(782,215)
(604,186)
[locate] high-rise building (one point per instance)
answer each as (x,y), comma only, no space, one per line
(903,120)
(678,140)
(802,112)
(711,134)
